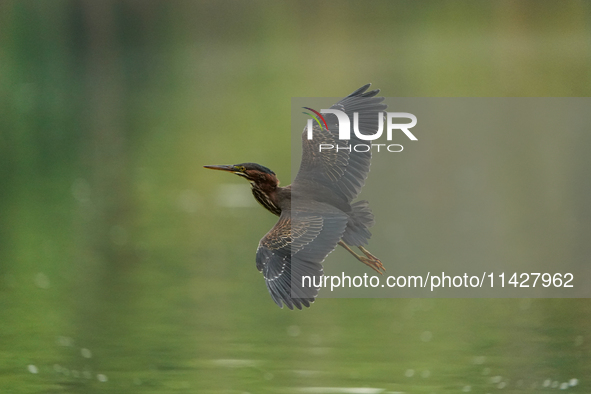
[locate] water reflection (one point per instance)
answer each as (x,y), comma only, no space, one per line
(342,359)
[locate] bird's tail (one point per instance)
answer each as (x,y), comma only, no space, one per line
(360,220)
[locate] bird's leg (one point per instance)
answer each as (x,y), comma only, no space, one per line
(373,259)
(370,260)
(369,255)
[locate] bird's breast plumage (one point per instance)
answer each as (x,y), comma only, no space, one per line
(266,199)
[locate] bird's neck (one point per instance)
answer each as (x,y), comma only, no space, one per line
(267,196)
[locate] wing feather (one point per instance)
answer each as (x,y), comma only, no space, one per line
(342,171)
(295,248)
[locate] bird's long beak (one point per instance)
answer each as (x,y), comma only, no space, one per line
(223,168)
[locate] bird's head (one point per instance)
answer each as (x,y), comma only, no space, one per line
(255,173)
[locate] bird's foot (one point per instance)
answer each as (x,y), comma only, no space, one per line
(371,261)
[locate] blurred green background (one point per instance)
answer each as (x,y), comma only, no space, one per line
(123,269)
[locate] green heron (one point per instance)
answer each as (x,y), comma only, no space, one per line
(315,212)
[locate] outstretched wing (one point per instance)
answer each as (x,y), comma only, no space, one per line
(342,171)
(293,250)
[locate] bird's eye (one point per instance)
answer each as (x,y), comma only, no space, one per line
(242,168)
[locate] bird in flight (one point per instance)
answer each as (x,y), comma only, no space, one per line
(316,212)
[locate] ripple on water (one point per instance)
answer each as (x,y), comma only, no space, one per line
(341,390)
(426,336)
(293,331)
(235,363)
(306,373)
(85,353)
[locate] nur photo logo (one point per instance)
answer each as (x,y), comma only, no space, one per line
(343,124)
